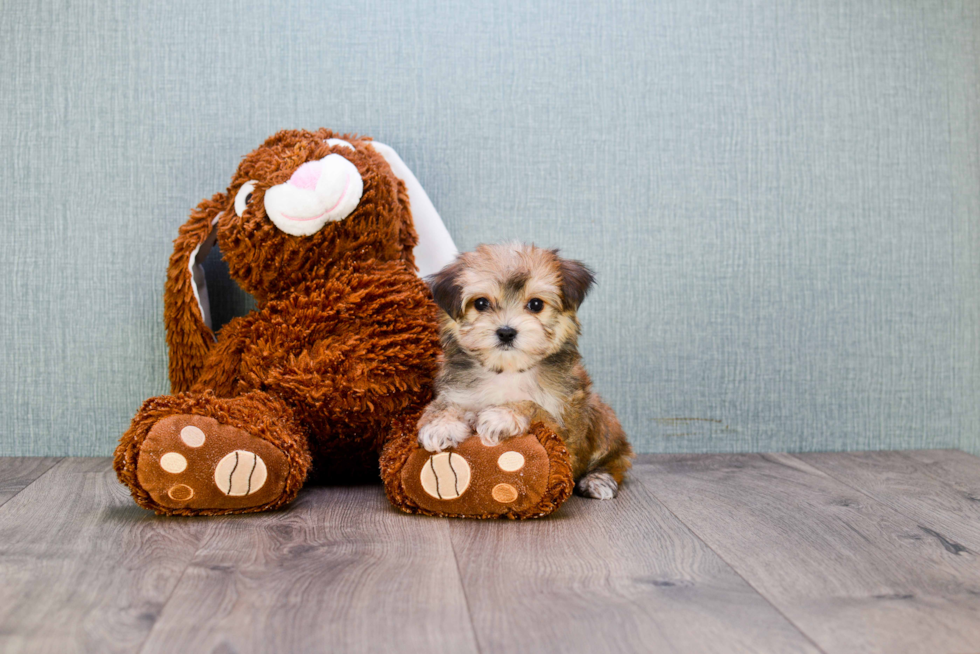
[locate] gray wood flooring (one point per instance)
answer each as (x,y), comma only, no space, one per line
(857,552)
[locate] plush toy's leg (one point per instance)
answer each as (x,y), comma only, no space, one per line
(198,454)
(525,476)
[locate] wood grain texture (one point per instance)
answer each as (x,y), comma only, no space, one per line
(610,576)
(82,568)
(747,553)
(338,571)
(17,472)
(903,483)
(958,469)
(849,571)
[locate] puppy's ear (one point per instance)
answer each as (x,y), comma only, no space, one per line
(446,290)
(185,299)
(576,281)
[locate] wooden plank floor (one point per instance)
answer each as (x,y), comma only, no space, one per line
(857,552)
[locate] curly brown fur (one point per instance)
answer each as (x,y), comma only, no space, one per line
(269,263)
(509,334)
(347,353)
(344,338)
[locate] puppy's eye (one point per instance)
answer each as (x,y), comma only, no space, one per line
(243,197)
(534,305)
(481,304)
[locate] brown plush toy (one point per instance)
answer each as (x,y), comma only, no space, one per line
(337,359)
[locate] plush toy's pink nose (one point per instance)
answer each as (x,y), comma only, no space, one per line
(307,175)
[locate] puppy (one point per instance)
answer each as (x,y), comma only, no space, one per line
(509,334)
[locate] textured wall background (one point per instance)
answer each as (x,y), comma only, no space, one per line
(782,200)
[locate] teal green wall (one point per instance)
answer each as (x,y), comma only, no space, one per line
(781,199)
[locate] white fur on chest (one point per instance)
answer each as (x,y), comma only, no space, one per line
(504,388)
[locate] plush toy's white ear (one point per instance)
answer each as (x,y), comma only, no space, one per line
(435,249)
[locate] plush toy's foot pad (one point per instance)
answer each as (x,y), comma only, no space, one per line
(195,462)
(473,480)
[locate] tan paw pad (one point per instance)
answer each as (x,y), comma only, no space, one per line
(192,436)
(181,493)
(510,461)
(504,493)
(173,463)
(240,473)
(445,476)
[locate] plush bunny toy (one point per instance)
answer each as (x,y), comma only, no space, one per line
(330,233)
(319,229)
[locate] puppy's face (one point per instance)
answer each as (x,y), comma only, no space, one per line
(510,306)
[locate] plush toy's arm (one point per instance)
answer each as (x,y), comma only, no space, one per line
(220,369)
(365,342)
(186,314)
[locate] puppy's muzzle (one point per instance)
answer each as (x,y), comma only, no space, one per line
(506,335)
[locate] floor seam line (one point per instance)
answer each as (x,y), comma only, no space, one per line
(34,481)
(173,591)
(462,587)
(170,595)
(897,509)
(732,568)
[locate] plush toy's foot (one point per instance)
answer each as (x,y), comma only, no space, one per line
(522,477)
(195,462)
(191,455)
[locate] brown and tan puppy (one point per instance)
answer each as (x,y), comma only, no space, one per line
(509,333)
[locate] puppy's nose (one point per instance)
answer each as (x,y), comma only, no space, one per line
(506,334)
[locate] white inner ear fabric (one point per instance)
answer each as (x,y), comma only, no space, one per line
(436,248)
(195,265)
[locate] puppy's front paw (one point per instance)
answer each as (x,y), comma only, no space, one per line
(598,486)
(499,422)
(442,433)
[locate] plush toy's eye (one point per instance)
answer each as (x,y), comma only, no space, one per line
(340,142)
(244,197)
(534,305)
(481,304)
